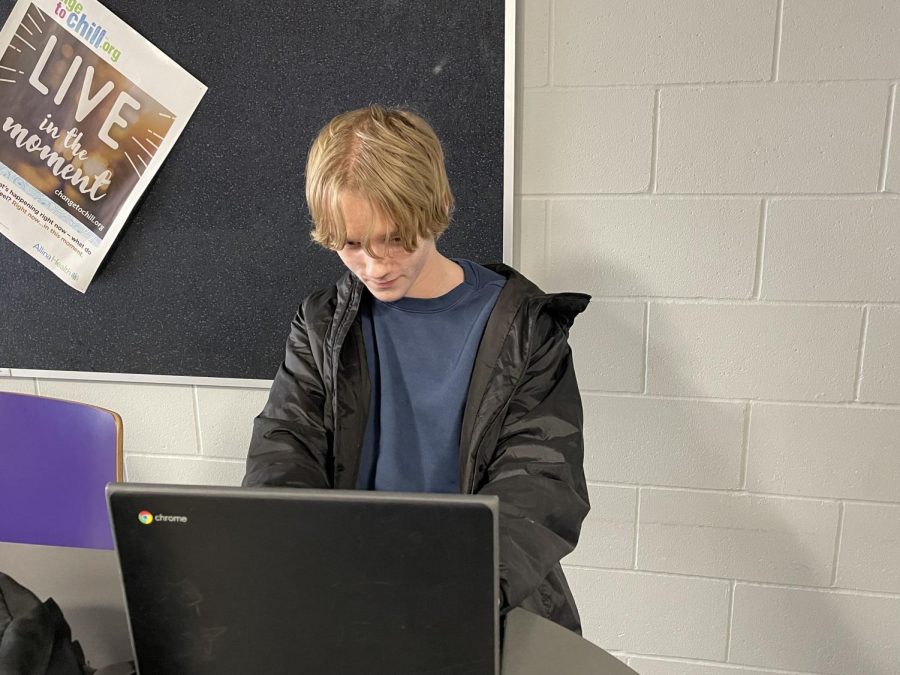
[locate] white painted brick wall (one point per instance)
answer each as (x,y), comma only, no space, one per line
(817,631)
(870,548)
(825,451)
(604,144)
(636,612)
(608,346)
(880,381)
(721,175)
(840,40)
(805,353)
(780,138)
(597,43)
(607,535)
(18,385)
(813,249)
(183,471)
(531,217)
(654,247)
(226,419)
(893,165)
(157,418)
(737,536)
(647,666)
(534,20)
(655,441)
(772,283)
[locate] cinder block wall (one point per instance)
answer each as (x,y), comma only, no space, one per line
(720,175)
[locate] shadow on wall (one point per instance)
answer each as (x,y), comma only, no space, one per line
(714,530)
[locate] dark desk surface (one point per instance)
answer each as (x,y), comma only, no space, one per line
(86,585)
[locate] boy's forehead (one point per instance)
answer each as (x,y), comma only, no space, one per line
(363,231)
(361,218)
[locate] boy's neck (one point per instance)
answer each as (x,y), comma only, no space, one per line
(439,276)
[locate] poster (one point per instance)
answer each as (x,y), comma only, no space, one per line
(88,112)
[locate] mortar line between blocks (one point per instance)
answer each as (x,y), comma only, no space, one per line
(860,359)
(849,405)
(646,348)
(837,544)
(847,592)
(886,146)
(637,518)
(745,445)
(803,588)
(195,400)
(37,386)
(760,248)
(776,49)
(730,492)
(654,147)
(728,630)
(701,196)
(755,83)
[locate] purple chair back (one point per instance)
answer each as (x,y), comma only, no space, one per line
(56,458)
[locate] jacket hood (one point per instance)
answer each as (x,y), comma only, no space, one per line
(564,306)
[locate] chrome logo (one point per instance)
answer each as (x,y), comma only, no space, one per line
(145,517)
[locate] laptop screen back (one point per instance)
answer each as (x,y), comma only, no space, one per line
(229,580)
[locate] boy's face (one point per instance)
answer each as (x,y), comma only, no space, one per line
(398,273)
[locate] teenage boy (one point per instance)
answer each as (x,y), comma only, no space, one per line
(419,373)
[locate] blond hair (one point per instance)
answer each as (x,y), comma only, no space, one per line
(390,157)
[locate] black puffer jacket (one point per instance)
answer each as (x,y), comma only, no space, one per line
(34,635)
(521,434)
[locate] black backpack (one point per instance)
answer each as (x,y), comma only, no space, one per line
(34,636)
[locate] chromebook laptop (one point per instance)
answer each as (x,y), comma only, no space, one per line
(259,580)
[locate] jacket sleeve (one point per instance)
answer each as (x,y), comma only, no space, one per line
(290,443)
(537,467)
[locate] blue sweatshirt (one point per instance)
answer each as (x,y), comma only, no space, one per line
(420,354)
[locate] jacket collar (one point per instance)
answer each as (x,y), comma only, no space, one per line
(518,288)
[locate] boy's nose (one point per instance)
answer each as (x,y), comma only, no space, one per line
(376,268)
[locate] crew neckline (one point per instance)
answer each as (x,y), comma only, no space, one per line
(441,303)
